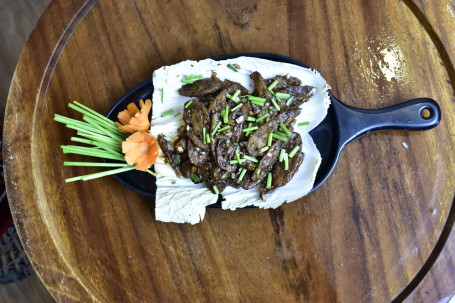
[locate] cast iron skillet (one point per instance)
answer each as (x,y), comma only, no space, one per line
(342,125)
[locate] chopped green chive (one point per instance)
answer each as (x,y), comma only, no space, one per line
(277,132)
(258,103)
(250,128)
(265,148)
(251,119)
(242,174)
(187,81)
(230,66)
(271,86)
(262,117)
(176,114)
(237,155)
(224,128)
(226,114)
(234,96)
(282,152)
(208,138)
(286,161)
(250,158)
(283,95)
(279,137)
(195,177)
(188,103)
(215,189)
(233,162)
(235,143)
(294,151)
(269,140)
(290,101)
(236,108)
(162,95)
(193,77)
(275,105)
(94,164)
(303,123)
(269,180)
(258,99)
(285,129)
(216,128)
(258,173)
(101,174)
(204,137)
(167,113)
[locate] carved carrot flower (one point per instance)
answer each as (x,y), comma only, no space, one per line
(132,119)
(140,149)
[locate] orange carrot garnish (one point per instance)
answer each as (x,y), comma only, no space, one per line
(132,120)
(140,149)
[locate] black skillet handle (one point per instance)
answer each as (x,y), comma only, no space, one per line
(414,115)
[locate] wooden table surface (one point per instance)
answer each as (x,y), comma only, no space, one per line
(380,228)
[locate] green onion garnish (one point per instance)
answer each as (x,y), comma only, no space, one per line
(208,138)
(187,81)
(269,180)
(262,117)
(258,103)
(236,108)
(228,96)
(294,151)
(224,128)
(151,172)
(269,140)
(258,172)
(258,99)
(215,189)
(195,177)
(167,113)
(233,162)
(230,66)
(271,86)
(226,114)
(274,104)
(251,119)
(193,77)
(285,129)
(204,135)
(283,95)
(303,123)
(101,164)
(216,128)
(237,155)
(282,152)
(286,161)
(250,128)
(277,132)
(176,114)
(162,95)
(235,95)
(279,137)
(188,104)
(235,143)
(251,159)
(264,149)
(242,174)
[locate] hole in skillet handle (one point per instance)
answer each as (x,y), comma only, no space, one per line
(144,183)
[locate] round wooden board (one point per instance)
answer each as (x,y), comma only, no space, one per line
(371,233)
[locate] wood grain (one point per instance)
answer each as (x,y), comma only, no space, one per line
(363,236)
